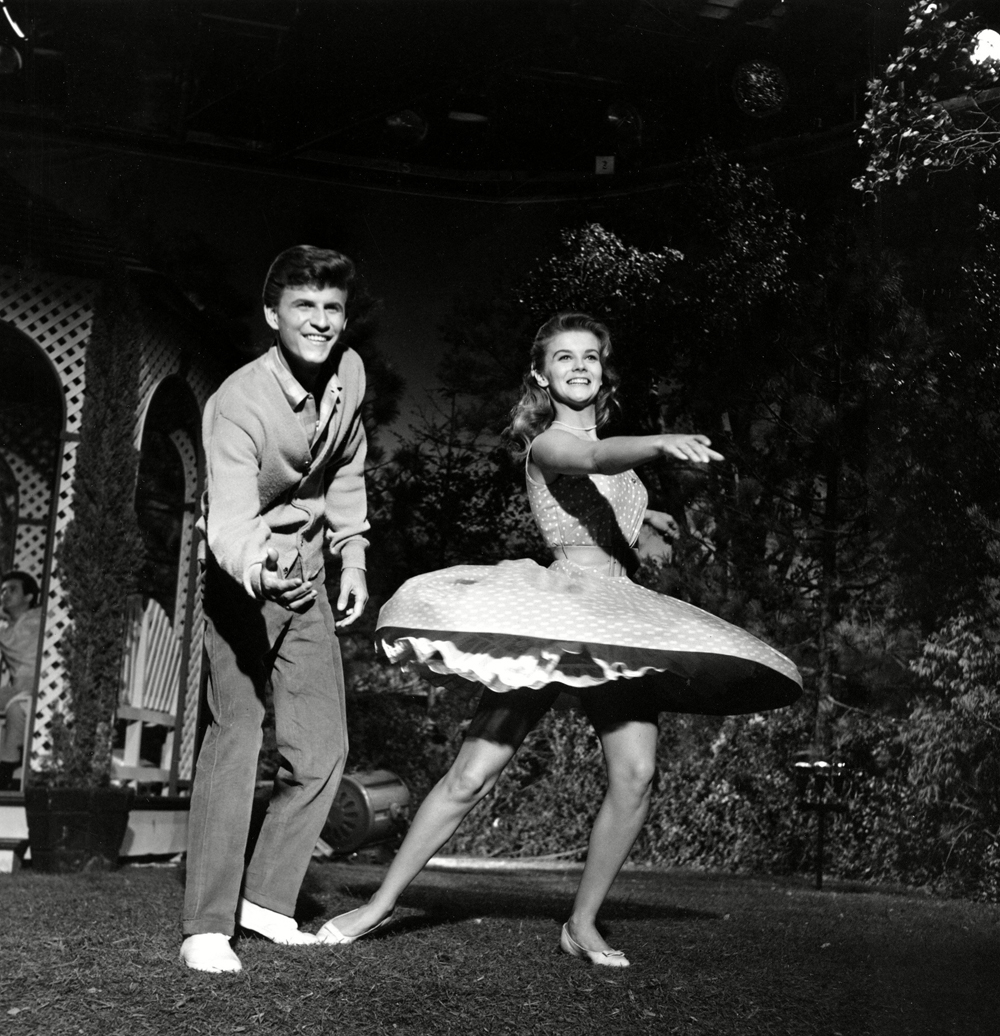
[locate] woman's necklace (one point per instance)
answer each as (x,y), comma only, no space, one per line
(577,427)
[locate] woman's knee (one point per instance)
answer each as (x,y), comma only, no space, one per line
(633,777)
(468,782)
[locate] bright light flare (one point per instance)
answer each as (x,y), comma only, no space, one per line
(987,47)
(10,21)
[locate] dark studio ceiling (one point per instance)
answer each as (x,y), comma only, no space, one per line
(492,99)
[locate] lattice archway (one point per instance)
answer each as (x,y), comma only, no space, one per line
(10,499)
(55,312)
(32,419)
(167,496)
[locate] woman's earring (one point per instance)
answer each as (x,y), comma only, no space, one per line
(540,379)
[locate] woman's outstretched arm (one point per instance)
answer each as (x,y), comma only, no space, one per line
(558,452)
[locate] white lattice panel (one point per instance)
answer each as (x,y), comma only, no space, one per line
(189,730)
(51,683)
(160,359)
(34,487)
(57,312)
(31,548)
(189,458)
(202,385)
(30,438)
(34,505)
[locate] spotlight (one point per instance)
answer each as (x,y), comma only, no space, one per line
(625,121)
(987,47)
(406,126)
(470,107)
(463,116)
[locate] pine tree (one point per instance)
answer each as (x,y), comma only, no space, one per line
(101,553)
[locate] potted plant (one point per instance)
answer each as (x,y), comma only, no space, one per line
(76,817)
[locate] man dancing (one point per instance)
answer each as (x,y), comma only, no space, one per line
(285,452)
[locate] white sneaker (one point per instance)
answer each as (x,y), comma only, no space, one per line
(277,927)
(209,951)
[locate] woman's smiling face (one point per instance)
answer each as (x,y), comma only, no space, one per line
(572,371)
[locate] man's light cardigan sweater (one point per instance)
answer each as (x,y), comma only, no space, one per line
(266,488)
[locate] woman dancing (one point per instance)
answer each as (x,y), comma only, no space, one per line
(527,632)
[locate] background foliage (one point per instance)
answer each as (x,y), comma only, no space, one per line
(844,359)
(932,108)
(849,374)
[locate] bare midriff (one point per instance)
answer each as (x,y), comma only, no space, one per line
(591,556)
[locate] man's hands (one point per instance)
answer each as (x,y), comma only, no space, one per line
(297,595)
(294,594)
(353,597)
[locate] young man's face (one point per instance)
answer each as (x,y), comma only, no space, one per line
(309,320)
(13,600)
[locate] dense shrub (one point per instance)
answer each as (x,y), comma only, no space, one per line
(404,727)
(953,741)
(547,798)
(884,835)
(726,794)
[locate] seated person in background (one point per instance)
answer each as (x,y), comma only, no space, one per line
(19,651)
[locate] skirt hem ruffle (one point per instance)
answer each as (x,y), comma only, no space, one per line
(700,682)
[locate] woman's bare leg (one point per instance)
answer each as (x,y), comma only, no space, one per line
(501,723)
(630,756)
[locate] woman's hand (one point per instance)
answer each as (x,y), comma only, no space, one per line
(663,523)
(694,448)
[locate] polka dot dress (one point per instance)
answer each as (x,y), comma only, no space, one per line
(519,625)
(589,510)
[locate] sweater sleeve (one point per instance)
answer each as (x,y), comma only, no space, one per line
(236,532)
(346,498)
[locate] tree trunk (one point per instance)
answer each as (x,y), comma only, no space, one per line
(828,612)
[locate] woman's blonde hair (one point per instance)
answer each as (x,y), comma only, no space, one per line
(534,411)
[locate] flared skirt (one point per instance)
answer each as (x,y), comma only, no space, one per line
(519,625)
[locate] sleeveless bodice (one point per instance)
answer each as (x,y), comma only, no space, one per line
(589,510)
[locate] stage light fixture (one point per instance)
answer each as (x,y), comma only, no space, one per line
(625,121)
(407,126)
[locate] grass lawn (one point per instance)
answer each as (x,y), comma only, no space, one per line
(477,953)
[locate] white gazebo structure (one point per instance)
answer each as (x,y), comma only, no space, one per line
(50,273)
